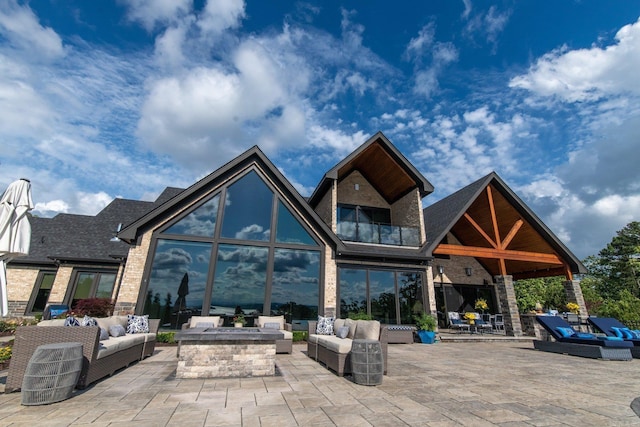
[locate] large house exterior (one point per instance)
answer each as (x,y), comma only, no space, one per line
(243,239)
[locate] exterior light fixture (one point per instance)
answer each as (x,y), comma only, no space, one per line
(468,271)
(440,270)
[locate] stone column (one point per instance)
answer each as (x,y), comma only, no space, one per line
(573,292)
(508,305)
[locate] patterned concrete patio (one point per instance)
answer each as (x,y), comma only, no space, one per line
(446,384)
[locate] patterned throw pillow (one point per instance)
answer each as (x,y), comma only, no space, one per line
(325,325)
(117,331)
(137,324)
(89,321)
(272,325)
(71,321)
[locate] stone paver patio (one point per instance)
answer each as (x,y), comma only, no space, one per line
(446,384)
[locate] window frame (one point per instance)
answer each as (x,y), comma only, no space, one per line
(36,290)
(71,290)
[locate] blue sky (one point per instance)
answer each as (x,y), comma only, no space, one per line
(107,99)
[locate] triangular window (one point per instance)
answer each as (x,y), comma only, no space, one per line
(200,222)
(289,229)
(247,209)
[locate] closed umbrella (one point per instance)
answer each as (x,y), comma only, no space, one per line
(15,230)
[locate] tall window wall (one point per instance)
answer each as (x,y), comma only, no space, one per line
(390,296)
(241,250)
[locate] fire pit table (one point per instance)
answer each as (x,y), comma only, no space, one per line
(227,352)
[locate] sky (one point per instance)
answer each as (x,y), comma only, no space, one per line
(123,98)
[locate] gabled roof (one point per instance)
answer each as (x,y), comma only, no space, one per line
(380,162)
(529,245)
(253,156)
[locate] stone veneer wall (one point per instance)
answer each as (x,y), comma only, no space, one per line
(407,212)
(20,281)
(366,195)
(237,359)
(507,298)
(573,292)
(132,277)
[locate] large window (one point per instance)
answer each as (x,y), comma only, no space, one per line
(373,225)
(41,292)
(92,284)
(243,249)
(390,296)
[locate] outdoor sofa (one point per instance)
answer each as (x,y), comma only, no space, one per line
(569,341)
(334,352)
(614,328)
(101,358)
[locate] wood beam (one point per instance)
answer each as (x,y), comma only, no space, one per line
(512,234)
(558,271)
(480,230)
(494,218)
(500,254)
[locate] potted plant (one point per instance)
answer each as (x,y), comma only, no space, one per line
(239,320)
(426,325)
(481,304)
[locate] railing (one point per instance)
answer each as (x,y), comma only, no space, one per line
(383,234)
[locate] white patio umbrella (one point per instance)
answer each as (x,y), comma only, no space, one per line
(15,230)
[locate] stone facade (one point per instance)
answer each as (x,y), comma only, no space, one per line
(133,273)
(234,359)
(364,195)
(509,306)
(20,286)
(573,291)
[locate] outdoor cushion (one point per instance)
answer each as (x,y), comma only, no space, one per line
(272,325)
(113,345)
(584,335)
(262,320)
(88,321)
(342,332)
(104,334)
(314,338)
(626,333)
(206,325)
(106,322)
(337,324)
(117,331)
(325,325)
(215,320)
(367,329)
(565,332)
(636,334)
(71,321)
(352,327)
(335,344)
(52,322)
(613,338)
(137,324)
(616,331)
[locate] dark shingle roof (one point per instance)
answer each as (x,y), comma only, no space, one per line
(82,237)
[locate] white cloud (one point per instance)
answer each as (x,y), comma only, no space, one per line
(20,25)
(150,13)
(587,74)
(489,25)
(219,15)
(467,8)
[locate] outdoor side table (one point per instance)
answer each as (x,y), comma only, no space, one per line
(367,364)
(52,373)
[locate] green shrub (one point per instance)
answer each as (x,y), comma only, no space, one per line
(626,309)
(299,336)
(360,315)
(166,337)
(426,322)
(10,325)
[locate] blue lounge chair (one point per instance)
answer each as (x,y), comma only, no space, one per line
(614,328)
(569,341)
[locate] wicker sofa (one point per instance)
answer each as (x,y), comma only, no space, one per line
(100,358)
(335,352)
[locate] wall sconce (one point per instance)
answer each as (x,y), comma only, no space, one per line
(468,271)
(440,270)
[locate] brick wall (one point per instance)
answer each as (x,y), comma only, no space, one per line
(132,277)
(20,281)
(366,195)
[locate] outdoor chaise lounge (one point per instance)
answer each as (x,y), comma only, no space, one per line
(614,328)
(569,341)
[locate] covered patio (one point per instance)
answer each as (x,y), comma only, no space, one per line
(446,384)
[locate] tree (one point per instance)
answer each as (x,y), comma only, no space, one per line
(548,291)
(617,267)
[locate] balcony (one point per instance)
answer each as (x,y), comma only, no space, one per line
(382,234)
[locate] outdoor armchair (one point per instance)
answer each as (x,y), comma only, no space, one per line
(456,323)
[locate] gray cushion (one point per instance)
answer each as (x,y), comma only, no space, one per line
(352,327)
(117,331)
(205,325)
(367,330)
(104,334)
(272,325)
(342,332)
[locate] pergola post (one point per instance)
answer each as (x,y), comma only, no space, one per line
(508,305)
(573,292)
